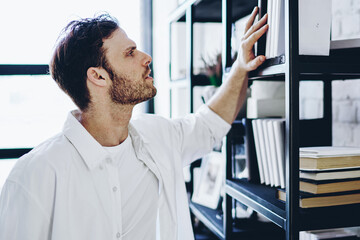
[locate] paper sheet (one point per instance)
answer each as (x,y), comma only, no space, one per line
(314,27)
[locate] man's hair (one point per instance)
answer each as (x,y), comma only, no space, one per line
(80,48)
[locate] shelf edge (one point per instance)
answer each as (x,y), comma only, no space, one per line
(243,198)
(213,228)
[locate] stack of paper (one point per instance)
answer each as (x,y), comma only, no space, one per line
(269,146)
(267,99)
(275,37)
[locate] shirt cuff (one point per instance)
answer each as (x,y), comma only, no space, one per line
(218,126)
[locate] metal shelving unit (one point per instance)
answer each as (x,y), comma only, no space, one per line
(290,68)
(341,64)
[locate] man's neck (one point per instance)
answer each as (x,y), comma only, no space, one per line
(109,126)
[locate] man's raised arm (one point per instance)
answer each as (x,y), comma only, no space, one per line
(232,93)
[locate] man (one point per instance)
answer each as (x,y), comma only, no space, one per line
(107,176)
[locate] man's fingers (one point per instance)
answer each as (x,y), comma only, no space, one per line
(256,62)
(256,27)
(251,20)
(249,43)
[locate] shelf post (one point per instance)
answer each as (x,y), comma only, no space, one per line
(226,36)
(189,52)
(292,76)
(226,62)
(228,206)
(327,100)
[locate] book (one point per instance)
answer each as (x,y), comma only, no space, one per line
(273,157)
(262,4)
(268,153)
(342,162)
(268,33)
(258,152)
(279,134)
(250,152)
(317,158)
(262,151)
(329,234)
(308,200)
(329,151)
(274,27)
(331,174)
(279,41)
(329,186)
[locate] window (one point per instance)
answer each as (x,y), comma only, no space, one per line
(32,107)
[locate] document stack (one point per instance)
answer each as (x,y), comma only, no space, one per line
(314,28)
(266,109)
(269,141)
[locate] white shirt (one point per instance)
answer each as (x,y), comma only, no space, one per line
(134,184)
(59,191)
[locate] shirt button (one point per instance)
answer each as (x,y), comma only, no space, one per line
(118,235)
(101,167)
(114,189)
(108,160)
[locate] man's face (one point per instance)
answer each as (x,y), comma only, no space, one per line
(131,83)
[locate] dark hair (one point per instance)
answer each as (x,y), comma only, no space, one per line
(79,49)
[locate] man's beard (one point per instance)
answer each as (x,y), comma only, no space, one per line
(126,91)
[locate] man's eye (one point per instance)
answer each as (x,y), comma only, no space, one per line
(131,53)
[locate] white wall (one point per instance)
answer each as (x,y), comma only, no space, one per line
(161,12)
(345,93)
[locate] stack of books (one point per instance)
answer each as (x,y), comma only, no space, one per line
(329,176)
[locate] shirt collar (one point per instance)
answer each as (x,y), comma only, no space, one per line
(89,149)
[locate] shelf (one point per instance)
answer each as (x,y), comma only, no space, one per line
(211,218)
(243,228)
(341,64)
(210,10)
(197,80)
(274,72)
(329,217)
(13,152)
(25,69)
(333,69)
(311,68)
(259,197)
(263,200)
(345,43)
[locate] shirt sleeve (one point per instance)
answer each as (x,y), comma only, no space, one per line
(21,216)
(199,132)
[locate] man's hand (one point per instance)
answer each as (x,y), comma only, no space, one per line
(246,60)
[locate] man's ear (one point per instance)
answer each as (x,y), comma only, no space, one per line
(97,76)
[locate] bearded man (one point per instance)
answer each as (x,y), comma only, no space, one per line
(108,175)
